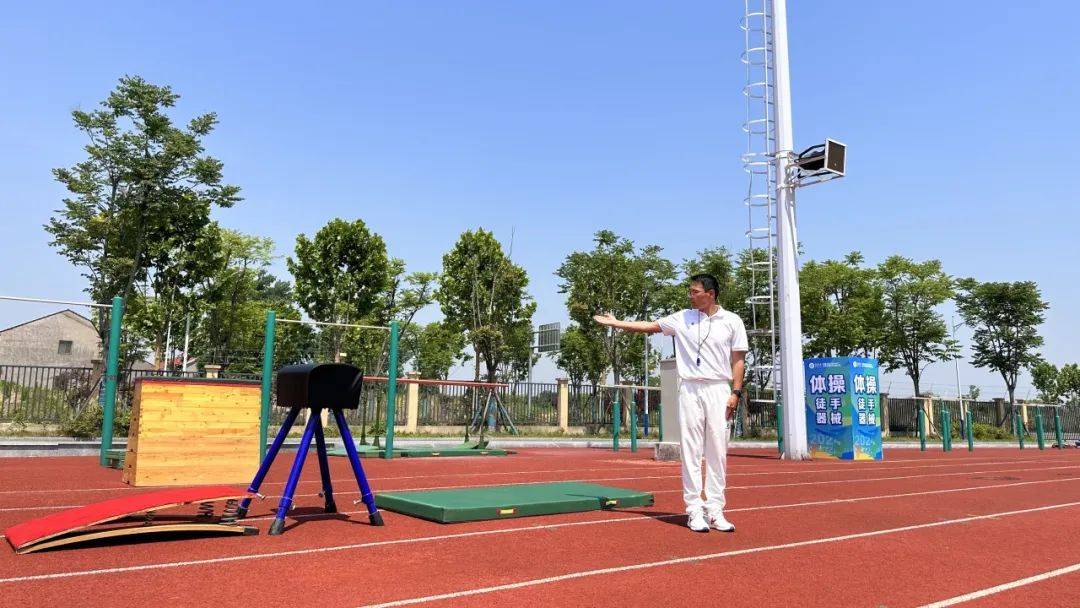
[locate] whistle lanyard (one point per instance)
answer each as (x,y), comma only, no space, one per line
(701,340)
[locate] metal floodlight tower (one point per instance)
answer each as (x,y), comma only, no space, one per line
(771,158)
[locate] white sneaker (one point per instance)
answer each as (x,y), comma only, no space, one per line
(697,522)
(720,523)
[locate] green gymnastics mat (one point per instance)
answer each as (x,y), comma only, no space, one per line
(465,449)
(504,502)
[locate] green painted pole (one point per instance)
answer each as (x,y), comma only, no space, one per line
(922,429)
(948,429)
(112,364)
(944,431)
(391,390)
(1057,430)
(660,424)
(970,437)
(1039,434)
(1018,423)
(780,427)
(633,427)
(267,380)
(616,422)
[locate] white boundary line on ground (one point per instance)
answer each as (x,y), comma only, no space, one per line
(974,595)
(830,469)
(509,530)
(792,484)
(708,556)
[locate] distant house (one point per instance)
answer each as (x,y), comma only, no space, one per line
(62,339)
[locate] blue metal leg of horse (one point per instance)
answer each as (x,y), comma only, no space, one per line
(324,463)
(275,447)
(294,477)
(354,459)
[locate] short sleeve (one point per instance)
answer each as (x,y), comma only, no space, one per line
(669,325)
(739,341)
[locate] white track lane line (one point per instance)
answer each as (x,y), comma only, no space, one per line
(830,469)
(644,477)
(974,595)
(781,485)
(708,556)
(729,487)
(793,484)
(499,531)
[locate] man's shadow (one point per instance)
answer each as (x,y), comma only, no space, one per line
(753,456)
(675,519)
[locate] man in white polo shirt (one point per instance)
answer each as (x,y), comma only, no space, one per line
(710,353)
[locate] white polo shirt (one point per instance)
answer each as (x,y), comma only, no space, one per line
(703,343)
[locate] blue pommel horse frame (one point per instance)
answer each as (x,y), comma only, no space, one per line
(333,386)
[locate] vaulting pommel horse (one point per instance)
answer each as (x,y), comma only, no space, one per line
(332,386)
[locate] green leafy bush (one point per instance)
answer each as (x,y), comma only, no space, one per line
(86,423)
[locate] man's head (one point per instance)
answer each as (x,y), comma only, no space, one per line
(703,290)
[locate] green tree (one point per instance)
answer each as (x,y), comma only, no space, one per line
(581,356)
(615,278)
(483,293)
(233,298)
(406,295)
(842,308)
(1069,382)
(1044,375)
(973,392)
(1056,385)
(143,193)
(293,343)
(915,333)
(439,346)
(717,262)
(341,276)
(1005,318)
(749,301)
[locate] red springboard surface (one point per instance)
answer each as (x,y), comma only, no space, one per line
(36,530)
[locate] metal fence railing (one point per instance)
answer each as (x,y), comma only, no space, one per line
(51,394)
(44,394)
(39,393)
(904,416)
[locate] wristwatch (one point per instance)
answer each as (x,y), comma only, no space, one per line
(737,392)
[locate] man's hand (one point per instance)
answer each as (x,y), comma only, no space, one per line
(732,405)
(607,319)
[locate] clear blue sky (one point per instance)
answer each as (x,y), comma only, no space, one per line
(425,119)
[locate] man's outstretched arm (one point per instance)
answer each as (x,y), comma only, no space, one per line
(644,327)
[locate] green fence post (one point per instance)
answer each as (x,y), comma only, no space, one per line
(112,363)
(941,428)
(948,428)
(1057,430)
(616,422)
(922,429)
(1039,436)
(391,390)
(780,428)
(660,423)
(267,380)
(633,426)
(1018,424)
(968,426)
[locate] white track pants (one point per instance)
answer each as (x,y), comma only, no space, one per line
(703,427)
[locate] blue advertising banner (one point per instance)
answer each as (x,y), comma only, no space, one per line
(843,408)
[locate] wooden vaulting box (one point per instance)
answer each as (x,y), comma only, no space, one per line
(192,432)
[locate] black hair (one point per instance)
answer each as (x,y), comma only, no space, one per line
(708,283)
